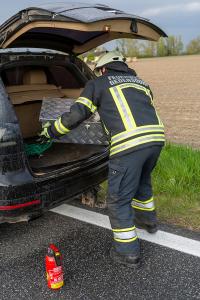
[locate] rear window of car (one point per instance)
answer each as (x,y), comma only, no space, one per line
(64,78)
(56,74)
(13,76)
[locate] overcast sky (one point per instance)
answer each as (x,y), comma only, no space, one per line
(180,17)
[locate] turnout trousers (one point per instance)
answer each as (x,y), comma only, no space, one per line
(130,196)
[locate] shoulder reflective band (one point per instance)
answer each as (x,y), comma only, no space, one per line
(136,86)
(87,102)
(147,205)
(126,235)
(123,108)
(136,142)
(141,88)
(60,127)
(139,130)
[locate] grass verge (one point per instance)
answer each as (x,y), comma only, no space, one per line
(176,182)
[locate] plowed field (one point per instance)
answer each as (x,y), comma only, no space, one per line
(175,82)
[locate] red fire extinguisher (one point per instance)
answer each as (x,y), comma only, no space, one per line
(54,268)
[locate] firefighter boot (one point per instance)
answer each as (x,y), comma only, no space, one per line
(129,259)
(151,228)
(146,221)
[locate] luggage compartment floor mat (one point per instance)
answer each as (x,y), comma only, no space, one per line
(61,154)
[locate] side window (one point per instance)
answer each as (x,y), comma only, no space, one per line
(64,78)
(12,76)
(83,67)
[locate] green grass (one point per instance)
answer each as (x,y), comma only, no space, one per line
(176,182)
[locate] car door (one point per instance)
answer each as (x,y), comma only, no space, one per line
(73,28)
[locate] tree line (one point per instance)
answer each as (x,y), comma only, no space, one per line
(173,45)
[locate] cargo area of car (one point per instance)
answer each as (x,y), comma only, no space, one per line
(27,85)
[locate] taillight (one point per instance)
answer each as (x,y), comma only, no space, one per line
(20,205)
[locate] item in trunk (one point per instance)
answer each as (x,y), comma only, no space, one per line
(89,132)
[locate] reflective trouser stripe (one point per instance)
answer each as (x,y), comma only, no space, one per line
(125,235)
(60,127)
(87,102)
(147,205)
(139,130)
(136,142)
(123,108)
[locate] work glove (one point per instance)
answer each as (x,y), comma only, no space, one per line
(44,136)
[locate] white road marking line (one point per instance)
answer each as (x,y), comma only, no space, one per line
(162,238)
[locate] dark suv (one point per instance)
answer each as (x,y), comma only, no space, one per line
(31,185)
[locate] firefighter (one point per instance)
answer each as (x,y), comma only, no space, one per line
(125,105)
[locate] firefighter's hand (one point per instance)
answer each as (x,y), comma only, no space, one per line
(44,136)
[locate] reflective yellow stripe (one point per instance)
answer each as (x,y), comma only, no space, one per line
(124,229)
(136,142)
(141,208)
(147,205)
(123,108)
(130,115)
(136,86)
(147,92)
(144,202)
(57,127)
(150,96)
(159,120)
(87,102)
(106,130)
(144,127)
(125,235)
(65,129)
(126,241)
(139,130)
(60,127)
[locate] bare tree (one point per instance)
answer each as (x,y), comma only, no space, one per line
(128,47)
(174,45)
(194,46)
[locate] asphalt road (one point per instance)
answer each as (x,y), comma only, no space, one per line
(89,273)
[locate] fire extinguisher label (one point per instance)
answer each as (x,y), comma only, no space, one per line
(57,269)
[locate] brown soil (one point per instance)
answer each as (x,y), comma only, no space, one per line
(175,82)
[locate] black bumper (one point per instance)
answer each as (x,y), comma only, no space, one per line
(22,202)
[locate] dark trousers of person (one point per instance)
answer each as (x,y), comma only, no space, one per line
(130,196)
